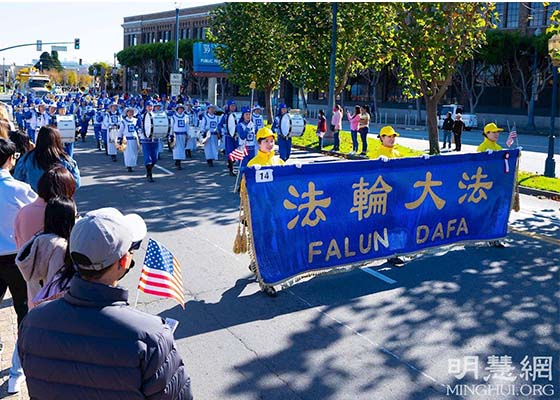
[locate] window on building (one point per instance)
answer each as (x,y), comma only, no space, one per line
(512,19)
(500,11)
(536,14)
(134,40)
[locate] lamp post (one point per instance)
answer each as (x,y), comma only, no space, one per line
(554,52)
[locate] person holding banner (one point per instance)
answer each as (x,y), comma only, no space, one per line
(209,129)
(284,142)
(179,131)
(130,353)
(129,137)
(491,134)
(265,155)
(387,149)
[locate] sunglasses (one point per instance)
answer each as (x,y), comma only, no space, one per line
(135,245)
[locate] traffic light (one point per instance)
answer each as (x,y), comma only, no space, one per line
(181,65)
(80,62)
(77,44)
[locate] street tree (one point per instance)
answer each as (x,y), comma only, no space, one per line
(427,41)
(253,45)
(48,62)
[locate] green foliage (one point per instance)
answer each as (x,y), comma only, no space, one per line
(136,56)
(49,62)
(535,181)
(309,139)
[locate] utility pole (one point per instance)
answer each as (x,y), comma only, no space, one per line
(4,74)
(176,64)
(334,37)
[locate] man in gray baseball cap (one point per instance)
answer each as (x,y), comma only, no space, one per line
(122,352)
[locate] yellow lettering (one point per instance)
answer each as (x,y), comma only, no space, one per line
(462,227)
(312,252)
(377,238)
(450,227)
(347,252)
(422,230)
(438,232)
(333,250)
(368,248)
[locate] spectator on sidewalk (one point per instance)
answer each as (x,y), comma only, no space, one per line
(321,128)
(42,256)
(447,128)
(56,182)
(336,126)
(363,128)
(123,353)
(458,128)
(13,196)
(354,121)
(48,153)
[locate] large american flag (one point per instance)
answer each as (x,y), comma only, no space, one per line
(238,154)
(161,273)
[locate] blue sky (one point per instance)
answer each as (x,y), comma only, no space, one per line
(98,25)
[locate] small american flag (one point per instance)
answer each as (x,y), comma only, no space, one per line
(238,154)
(512,136)
(161,274)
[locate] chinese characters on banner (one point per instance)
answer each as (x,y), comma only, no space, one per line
(319,216)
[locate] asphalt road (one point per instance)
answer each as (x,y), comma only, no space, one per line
(345,336)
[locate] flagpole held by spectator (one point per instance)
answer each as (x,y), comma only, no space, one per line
(161,274)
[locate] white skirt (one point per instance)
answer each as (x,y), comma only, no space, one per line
(131,153)
(211,148)
(179,149)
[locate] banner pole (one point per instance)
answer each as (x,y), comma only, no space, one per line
(136,301)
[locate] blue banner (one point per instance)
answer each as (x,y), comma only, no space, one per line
(204,59)
(314,217)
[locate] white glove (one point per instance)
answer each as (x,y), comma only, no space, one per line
(384,158)
(257,166)
(489,151)
(425,156)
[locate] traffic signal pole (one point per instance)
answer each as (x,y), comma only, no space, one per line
(33,44)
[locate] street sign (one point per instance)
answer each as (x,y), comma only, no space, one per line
(59,48)
(175,90)
(39,45)
(176,79)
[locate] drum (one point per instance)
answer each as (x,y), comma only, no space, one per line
(160,125)
(292,125)
(232,121)
(67,128)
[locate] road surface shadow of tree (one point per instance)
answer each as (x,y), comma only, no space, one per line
(473,302)
(182,198)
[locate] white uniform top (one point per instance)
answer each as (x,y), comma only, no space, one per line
(209,123)
(111,120)
(180,122)
(258,120)
(128,128)
(42,120)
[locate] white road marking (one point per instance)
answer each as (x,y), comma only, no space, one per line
(168,172)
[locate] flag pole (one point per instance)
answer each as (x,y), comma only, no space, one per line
(137,293)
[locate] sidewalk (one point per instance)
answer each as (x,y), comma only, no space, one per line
(8,333)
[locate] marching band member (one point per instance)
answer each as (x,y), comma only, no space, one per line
(42,118)
(83,116)
(29,117)
(265,155)
(149,144)
(258,118)
(284,142)
(179,126)
(128,132)
(230,142)
(209,129)
(246,133)
(159,110)
(192,137)
(112,121)
(97,121)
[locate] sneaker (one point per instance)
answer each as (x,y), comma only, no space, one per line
(396,261)
(497,243)
(14,384)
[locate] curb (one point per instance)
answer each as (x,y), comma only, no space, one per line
(539,193)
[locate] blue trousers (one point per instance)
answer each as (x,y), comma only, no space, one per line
(150,152)
(69,149)
(104,136)
(284,147)
(97,132)
(354,135)
(363,136)
(31,133)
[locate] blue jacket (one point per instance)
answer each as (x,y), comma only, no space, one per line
(92,345)
(29,172)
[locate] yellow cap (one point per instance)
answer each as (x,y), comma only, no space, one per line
(492,127)
(264,133)
(388,131)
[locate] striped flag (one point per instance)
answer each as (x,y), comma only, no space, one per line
(512,136)
(161,274)
(238,154)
